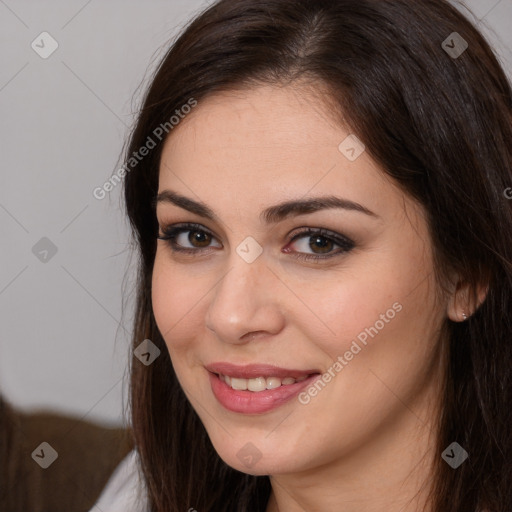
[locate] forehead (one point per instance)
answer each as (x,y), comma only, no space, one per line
(264,145)
(258,118)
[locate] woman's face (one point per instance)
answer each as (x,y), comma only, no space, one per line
(340,353)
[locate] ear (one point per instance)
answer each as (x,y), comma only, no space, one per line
(465,300)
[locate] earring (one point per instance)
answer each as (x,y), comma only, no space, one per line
(464,316)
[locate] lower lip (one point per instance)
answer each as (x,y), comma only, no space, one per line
(251,402)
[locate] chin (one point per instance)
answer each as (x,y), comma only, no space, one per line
(259,456)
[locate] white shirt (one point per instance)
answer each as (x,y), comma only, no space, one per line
(124,491)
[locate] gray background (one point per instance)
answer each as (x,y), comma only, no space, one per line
(64,337)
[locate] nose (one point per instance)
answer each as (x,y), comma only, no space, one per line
(245,303)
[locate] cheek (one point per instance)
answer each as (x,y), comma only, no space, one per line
(175,304)
(386,331)
(351,318)
(385,313)
(345,307)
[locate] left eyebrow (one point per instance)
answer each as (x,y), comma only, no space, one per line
(272,214)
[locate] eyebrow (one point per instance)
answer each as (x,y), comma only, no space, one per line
(272,214)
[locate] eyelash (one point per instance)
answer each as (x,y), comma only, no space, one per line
(170,234)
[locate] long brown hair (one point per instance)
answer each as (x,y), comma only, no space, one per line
(440,124)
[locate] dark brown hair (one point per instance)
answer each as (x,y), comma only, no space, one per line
(440,125)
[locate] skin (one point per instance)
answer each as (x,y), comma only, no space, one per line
(365,441)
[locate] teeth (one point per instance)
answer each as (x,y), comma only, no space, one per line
(259,383)
(240,384)
(273,382)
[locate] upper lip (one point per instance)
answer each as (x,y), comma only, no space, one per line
(251,371)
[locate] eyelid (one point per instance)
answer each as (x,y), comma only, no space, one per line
(338,238)
(186,226)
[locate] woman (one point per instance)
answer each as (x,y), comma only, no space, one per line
(317,191)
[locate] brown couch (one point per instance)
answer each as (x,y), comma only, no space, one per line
(87,452)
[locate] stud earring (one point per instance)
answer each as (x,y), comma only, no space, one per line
(464,316)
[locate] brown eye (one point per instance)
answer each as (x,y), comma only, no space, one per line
(179,241)
(319,241)
(200,237)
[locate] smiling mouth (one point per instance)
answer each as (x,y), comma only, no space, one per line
(259,384)
(256,388)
